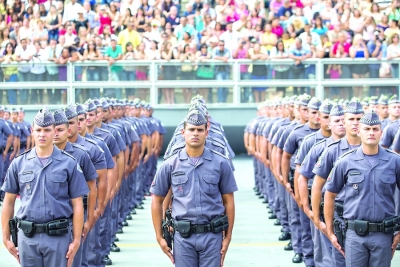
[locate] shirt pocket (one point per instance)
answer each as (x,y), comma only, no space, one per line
(58,183)
(211,183)
(387,184)
(27,182)
(355,184)
(180,185)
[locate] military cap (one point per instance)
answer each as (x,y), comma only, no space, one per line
(6,109)
(21,109)
(365,101)
(44,118)
(148,106)
(1,108)
(336,101)
(136,103)
(383,100)
(346,102)
(285,100)
(266,103)
(394,100)
(90,106)
(196,118)
(303,100)
(97,103)
(59,117)
(292,99)
(259,106)
(373,100)
(14,110)
(104,103)
(336,110)
(354,107)
(314,103)
(340,102)
(326,106)
(70,111)
(142,103)
(80,109)
(370,118)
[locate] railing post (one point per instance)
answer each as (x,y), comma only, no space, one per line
(319,76)
(153,88)
(70,80)
(236,89)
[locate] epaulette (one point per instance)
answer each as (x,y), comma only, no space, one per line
(113,126)
(62,151)
(392,152)
(218,140)
(98,137)
(26,151)
(333,143)
(91,141)
(216,152)
(348,152)
(320,142)
(298,126)
(309,135)
(104,130)
(178,145)
(75,145)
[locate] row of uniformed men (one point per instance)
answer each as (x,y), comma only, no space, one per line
(104,150)
(295,144)
(198,172)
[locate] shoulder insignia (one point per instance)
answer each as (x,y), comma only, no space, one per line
(91,141)
(348,152)
(178,145)
(217,144)
(98,138)
(333,143)
(69,155)
(392,152)
(320,142)
(309,135)
(298,126)
(26,151)
(104,130)
(219,154)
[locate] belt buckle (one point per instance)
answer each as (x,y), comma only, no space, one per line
(40,229)
(201,229)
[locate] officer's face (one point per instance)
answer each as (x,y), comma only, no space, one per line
(131,111)
(99,115)
(313,116)
(43,136)
(290,109)
(383,111)
(137,112)
(336,124)
(91,118)
(106,114)
(365,108)
(394,110)
(21,116)
(323,120)
(373,108)
(121,111)
(14,116)
(303,113)
(6,116)
(195,136)
(61,134)
(370,135)
(73,127)
(82,124)
(351,123)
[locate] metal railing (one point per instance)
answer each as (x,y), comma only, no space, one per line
(315,77)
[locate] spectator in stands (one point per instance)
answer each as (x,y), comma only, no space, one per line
(4,39)
(222,71)
(241,52)
(52,53)
(129,35)
(107,36)
(70,12)
(299,52)
(258,71)
(116,16)
(281,71)
(319,27)
(187,58)
(92,73)
(268,39)
(64,58)
(285,12)
(393,51)
(53,23)
(38,72)
(141,71)
(356,22)
(80,21)
(43,12)
(105,17)
(25,31)
(383,24)
(10,72)
(359,50)
(315,38)
(374,46)
(208,10)
(230,37)
(70,37)
(41,34)
(129,72)
(113,54)
(19,8)
(274,7)
(204,71)
(24,54)
(182,28)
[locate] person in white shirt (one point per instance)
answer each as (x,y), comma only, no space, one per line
(69,36)
(24,53)
(315,38)
(230,37)
(70,11)
(132,5)
(37,73)
(52,53)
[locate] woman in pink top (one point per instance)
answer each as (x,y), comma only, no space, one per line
(277,28)
(105,17)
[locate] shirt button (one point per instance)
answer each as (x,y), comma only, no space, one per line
(196,179)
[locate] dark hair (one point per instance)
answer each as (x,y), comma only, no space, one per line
(130,11)
(5,49)
(128,44)
(277,45)
(184,48)
(203,46)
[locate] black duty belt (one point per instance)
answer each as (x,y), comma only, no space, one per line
(371,227)
(53,228)
(387,226)
(200,228)
(339,209)
(2,150)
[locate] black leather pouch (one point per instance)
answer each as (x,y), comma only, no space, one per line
(27,228)
(361,227)
(184,228)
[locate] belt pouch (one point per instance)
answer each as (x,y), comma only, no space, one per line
(58,232)
(219,224)
(361,227)
(184,228)
(27,228)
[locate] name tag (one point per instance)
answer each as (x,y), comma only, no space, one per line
(27,172)
(355,173)
(178,173)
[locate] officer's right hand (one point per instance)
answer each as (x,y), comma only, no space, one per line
(396,240)
(12,249)
(335,243)
(72,249)
(321,226)
(164,247)
(289,189)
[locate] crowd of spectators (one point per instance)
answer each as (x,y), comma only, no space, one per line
(194,32)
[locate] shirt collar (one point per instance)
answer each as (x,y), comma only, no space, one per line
(206,154)
(382,154)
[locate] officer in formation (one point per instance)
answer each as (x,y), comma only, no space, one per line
(113,146)
(198,172)
(294,151)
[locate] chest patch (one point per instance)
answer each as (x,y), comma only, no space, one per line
(355,173)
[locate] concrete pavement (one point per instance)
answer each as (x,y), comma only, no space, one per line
(255,238)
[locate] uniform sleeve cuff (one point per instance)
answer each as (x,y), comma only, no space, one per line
(158,192)
(80,193)
(229,190)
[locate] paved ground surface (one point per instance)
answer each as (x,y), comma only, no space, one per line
(255,238)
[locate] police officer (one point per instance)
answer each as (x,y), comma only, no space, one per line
(5,142)
(322,245)
(51,185)
(199,169)
(365,104)
(26,141)
(24,131)
(16,140)
(382,109)
(393,111)
(368,176)
(78,152)
(352,116)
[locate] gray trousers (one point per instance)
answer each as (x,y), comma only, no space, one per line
(199,250)
(338,258)
(371,250)
(318,247)
(327,257)
(295,226)
(306,239)
(80,259)
(43,250)
(94,257)
(284,206)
